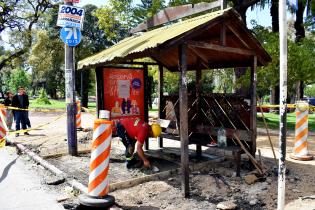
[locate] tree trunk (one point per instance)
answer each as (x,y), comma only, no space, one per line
(299,35)
(298,25)
(274,12)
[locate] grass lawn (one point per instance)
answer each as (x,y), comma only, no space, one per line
(273,121)
(55,104)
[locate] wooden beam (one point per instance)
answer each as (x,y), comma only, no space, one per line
(237,34)
(198,97)
(191,34)
(219,48)
(183,103)
(253,103)
(146,104)
(174,13)
(99,89)
(161,83)
(199,56)
(223,35)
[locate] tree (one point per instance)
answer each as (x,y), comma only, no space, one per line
(18,78)
(114,19)
(46,59)
(93,41)
(19,18)
(300,61)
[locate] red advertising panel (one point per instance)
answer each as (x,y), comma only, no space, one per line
(124,93)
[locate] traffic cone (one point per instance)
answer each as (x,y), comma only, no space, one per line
(300,151)
(78,115)
(98,187)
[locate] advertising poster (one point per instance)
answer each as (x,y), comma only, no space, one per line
(124,93)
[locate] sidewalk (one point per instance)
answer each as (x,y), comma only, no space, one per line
(20,186)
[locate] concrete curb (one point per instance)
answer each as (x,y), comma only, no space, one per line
(72,182)
(82,188)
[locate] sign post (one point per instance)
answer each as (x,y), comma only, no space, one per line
(71,19)
(283,102)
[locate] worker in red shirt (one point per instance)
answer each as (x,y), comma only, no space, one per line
(132,131)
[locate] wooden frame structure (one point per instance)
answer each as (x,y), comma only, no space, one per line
(221,41)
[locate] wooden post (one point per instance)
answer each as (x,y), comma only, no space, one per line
(70,98)
(198,92)
(161,81)
(146,105)
(99,90)
(183,119)
(253,103)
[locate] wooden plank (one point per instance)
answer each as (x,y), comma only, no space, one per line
(197,110)
(201,57)
(160,88)
(237,33)
(175,13)
(146,101)
(223,49)
(253,103)
(99,90)
(223,35)
(183,100)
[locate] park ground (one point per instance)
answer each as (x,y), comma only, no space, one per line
(207,191)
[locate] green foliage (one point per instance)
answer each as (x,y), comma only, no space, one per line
(18,18)
(43,98)
(300,61)
(46,59)
(114,19)
(310,90)
(18,77)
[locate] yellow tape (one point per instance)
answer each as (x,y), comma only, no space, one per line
(35,109)
(40,126)
(291,106)
(3,140)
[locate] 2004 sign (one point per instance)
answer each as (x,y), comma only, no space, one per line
(70,16)
(71,10)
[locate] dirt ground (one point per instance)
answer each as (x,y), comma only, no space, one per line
(209,186)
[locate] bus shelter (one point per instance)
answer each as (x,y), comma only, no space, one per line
(214,40)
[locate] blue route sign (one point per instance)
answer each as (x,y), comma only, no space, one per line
(70,36)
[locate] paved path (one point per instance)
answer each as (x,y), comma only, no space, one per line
(20,187)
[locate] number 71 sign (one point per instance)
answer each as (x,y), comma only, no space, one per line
(70,36)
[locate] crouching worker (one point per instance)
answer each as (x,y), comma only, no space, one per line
(132,131)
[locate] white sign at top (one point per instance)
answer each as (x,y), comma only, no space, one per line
(70,16)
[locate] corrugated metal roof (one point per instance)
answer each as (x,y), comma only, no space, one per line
(146,40)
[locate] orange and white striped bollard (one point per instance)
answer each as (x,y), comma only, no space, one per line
(78,115)
(98,187)
(3,128)
(3,110)
(300,151)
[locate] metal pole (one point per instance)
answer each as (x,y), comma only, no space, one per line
(283,103)
(70,98)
